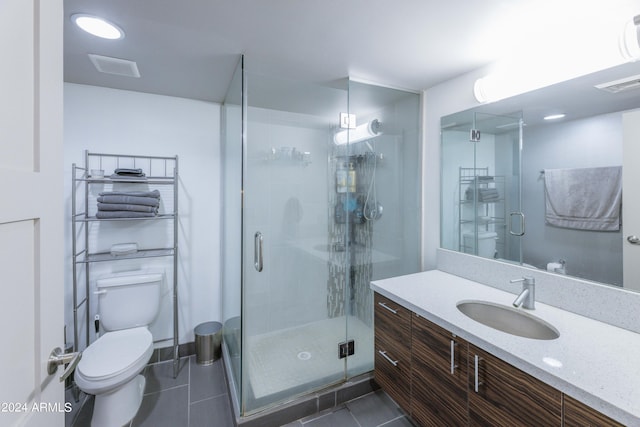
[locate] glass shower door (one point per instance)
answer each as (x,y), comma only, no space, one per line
(313,212)
(290,336)
(481,205)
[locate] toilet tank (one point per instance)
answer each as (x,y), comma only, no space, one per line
(486,243)
(128,300)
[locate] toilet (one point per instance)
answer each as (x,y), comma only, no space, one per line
(486,243)
(110,367)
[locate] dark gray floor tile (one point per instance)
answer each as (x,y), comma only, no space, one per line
(160,376)
(82,417)
(342,418)
(398,422)
(374,409)
(293,424)
(214,412)
(283,415)
(170,408)
(206,381)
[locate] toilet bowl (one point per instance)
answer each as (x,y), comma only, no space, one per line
(110,367)
(107,369)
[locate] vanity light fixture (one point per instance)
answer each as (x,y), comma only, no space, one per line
(593,51)
(97,26)
(554,116)
(630,40)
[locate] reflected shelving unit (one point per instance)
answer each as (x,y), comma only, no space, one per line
(481,208)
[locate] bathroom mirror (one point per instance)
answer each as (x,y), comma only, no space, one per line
(493,166)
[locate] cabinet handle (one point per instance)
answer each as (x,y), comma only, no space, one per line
(390,360)
(453,357)
(476,371)
(388,308)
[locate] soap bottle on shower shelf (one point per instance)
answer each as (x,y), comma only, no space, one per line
(341,178)
(351,178)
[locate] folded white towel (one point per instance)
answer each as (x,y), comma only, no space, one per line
(584,199)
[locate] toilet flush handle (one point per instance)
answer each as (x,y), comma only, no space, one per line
(57,358)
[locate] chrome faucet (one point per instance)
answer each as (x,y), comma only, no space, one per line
(527,298)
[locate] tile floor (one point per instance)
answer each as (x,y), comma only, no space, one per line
(198,398)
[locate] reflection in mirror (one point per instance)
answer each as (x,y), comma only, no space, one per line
(503,183)
(480,168)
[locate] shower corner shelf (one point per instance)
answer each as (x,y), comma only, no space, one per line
(160,171)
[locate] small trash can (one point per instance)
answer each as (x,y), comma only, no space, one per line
(208,340)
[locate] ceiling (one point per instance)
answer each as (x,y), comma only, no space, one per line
(189,48)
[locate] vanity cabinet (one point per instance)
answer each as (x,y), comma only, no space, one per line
(577,414)
(438,375)
(500,394)
(442,380)
(393,350)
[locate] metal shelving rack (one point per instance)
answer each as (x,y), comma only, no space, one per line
(493,212)
(159,171)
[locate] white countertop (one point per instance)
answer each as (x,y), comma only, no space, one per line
(594,362)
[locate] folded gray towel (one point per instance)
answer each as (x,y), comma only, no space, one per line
(128,171)
(123,207)
(127,178)
(123,214)
(129,200)
(154,193)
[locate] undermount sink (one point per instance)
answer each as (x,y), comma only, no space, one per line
(510,320)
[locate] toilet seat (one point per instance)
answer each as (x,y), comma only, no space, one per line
(114,359)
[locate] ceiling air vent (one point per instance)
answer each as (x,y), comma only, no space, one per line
(109,65)
(622,85)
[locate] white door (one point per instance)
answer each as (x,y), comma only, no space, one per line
(31,211)
(631,200)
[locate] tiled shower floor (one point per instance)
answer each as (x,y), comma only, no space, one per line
(306,356)
(198,398)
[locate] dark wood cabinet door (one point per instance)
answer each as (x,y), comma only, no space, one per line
(577,414)
(501,394)
(439,375)
(393,350)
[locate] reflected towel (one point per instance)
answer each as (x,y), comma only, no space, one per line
(129,200)
(123,214)
(128,172)
(584,199)
(123,207)
(154,193)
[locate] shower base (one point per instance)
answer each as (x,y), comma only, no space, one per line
(290,362)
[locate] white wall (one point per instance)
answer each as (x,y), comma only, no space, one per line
(123,122)
(591,142)
(446,98)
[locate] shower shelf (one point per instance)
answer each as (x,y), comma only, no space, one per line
(160,171)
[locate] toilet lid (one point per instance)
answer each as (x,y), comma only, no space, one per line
(115,352)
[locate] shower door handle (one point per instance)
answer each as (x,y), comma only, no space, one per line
(257,251)
(521,215)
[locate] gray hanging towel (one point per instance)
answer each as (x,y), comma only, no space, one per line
(584,198)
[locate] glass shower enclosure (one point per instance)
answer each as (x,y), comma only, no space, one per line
(321,187)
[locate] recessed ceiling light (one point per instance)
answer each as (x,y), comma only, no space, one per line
(97,26)
(554,117)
